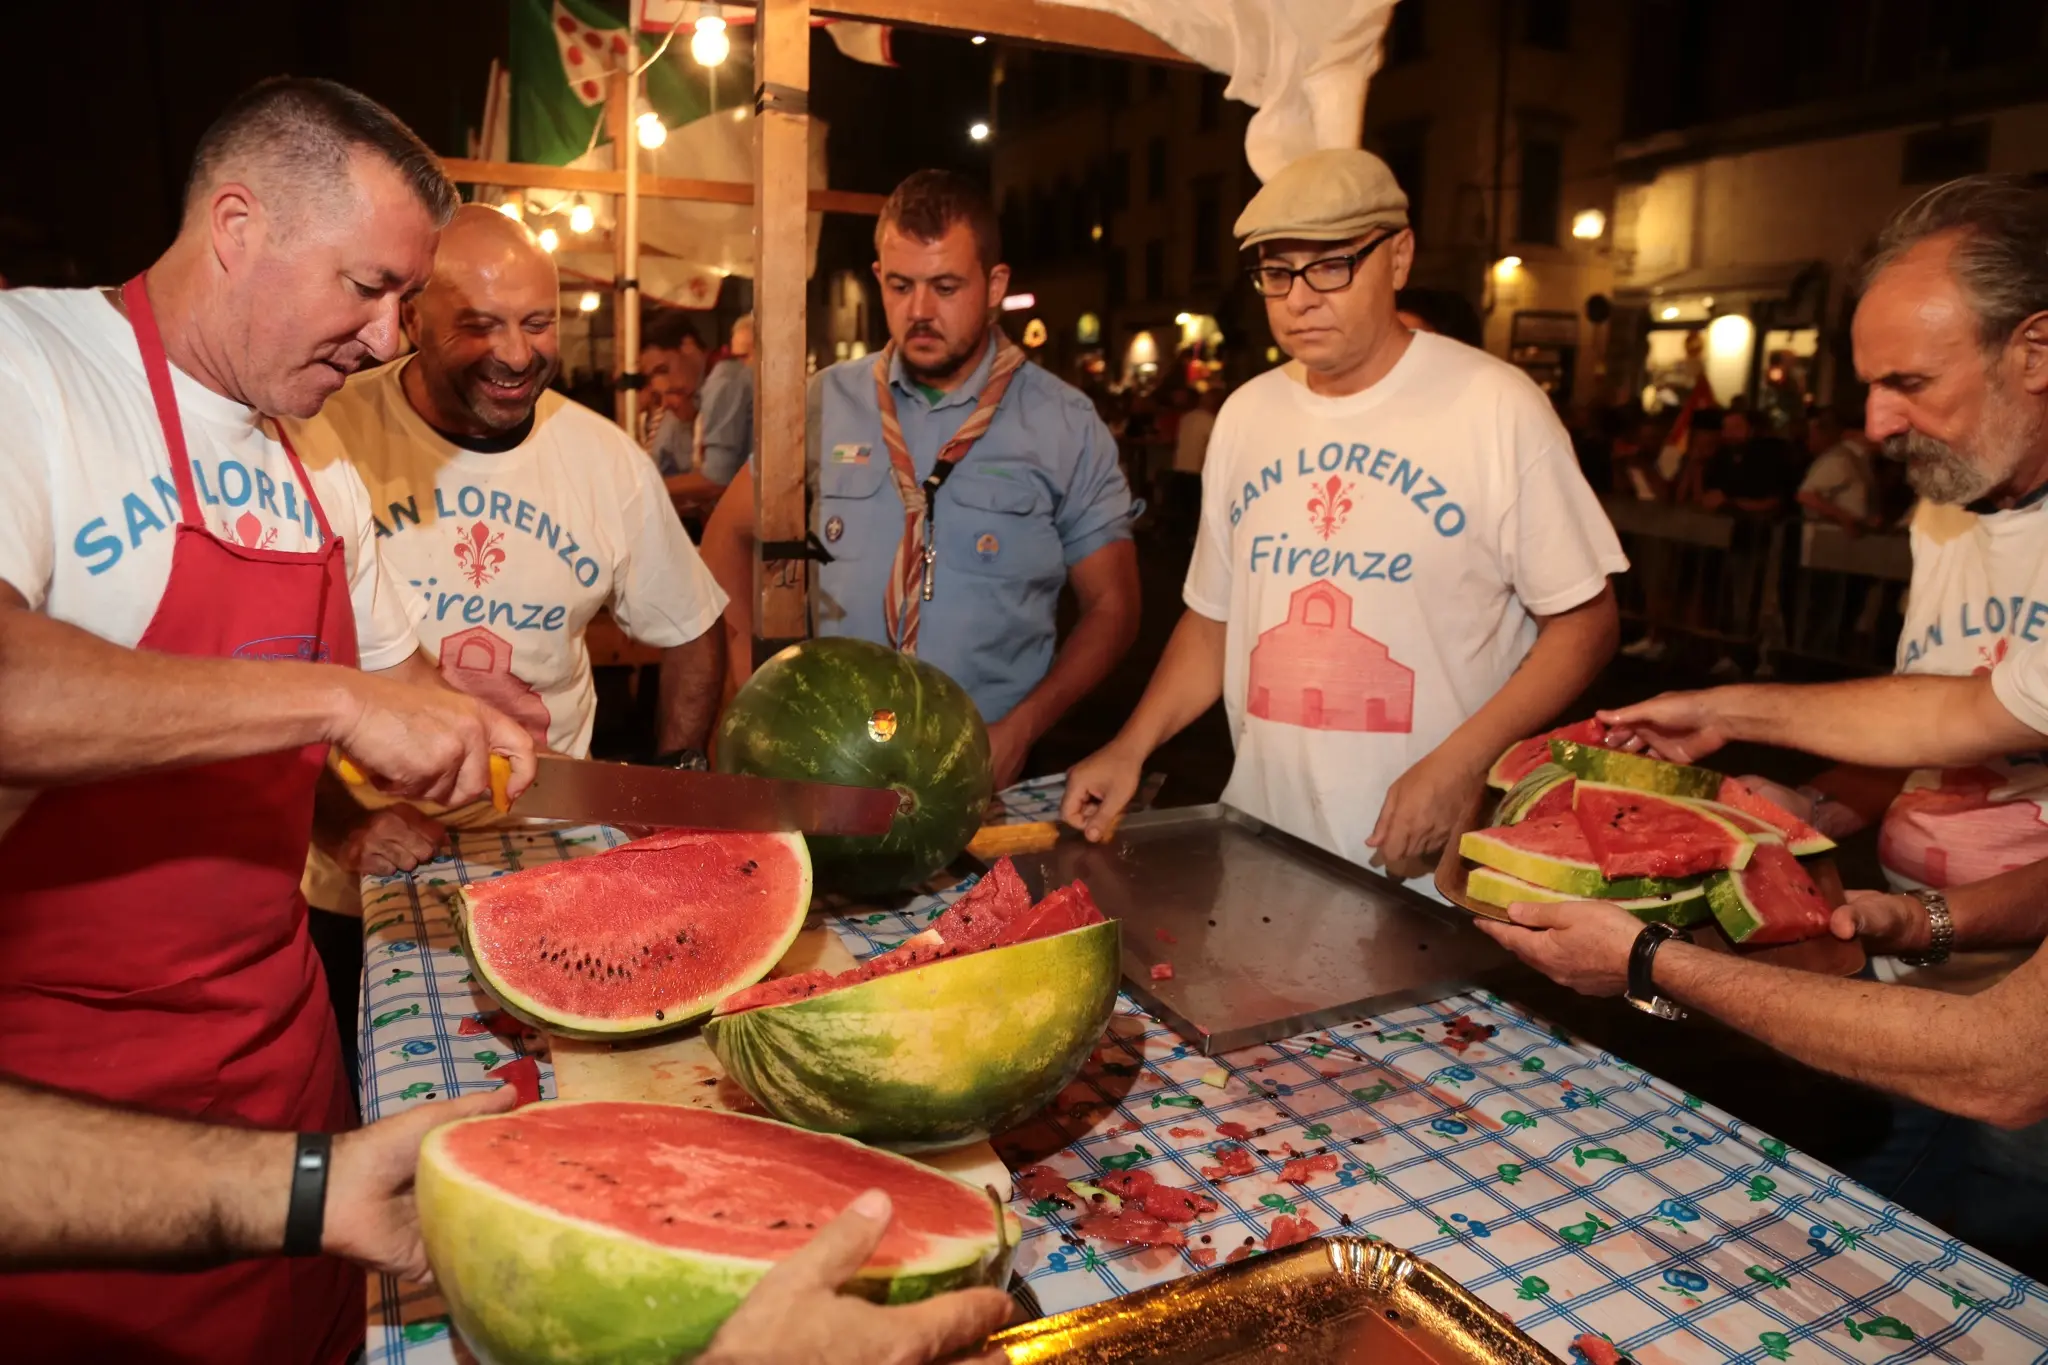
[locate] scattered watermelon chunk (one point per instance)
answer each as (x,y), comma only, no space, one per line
(1641,834)
(1772,900)
(1130,1229)
(1303,1170)
(1162,971)
(1288,1230)
(1043,1182)
(1803,839)
(1520,758)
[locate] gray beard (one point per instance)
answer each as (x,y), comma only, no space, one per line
(1936,471)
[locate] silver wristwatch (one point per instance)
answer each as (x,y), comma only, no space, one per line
(1941,931)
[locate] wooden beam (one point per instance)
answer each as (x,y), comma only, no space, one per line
(526,175)
(782,65)
(1032,21)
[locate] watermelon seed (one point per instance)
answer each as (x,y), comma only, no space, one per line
(778,1223)
(659,1016)
(749,868)
(1205,1239)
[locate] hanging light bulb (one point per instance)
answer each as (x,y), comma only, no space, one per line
(581,219)
(589,302)
(709,43)
(978,131)
(512,209)
(549,239)
(651,130)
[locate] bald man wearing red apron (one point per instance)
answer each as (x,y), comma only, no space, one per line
(153,951)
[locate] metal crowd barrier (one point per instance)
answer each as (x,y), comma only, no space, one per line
(1764,588)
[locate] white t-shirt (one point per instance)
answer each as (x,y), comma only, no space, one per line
(1979,593)
(88,502)
(1842,474)
(505,557)
(1379,559)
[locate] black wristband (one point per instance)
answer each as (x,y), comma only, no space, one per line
(305,1218)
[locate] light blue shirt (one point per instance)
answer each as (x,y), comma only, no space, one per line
(726,414)
(1037,494)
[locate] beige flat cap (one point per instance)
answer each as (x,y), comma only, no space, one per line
(1326,196)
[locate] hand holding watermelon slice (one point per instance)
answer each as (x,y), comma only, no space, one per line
(1683,727)
(1580,944)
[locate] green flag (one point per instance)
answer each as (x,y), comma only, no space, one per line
(562,55)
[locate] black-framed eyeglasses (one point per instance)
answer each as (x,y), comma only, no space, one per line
(1325,276)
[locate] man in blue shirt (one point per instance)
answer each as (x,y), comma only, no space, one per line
(722,438)
(1019,474)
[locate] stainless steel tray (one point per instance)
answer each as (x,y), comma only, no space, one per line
(1267,935)
(1334,1301)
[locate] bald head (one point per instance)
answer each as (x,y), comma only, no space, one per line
(485,326)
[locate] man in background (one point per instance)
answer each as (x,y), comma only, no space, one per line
(1840,486)
(672,357)
(722,439)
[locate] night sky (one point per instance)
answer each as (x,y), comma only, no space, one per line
(101,126)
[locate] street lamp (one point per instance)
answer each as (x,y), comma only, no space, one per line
(1506,266)
(1589,224)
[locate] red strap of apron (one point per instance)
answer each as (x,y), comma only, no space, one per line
(156,365)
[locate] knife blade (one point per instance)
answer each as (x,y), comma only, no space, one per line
(625,794)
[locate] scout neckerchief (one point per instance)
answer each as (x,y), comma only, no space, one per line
(910,574)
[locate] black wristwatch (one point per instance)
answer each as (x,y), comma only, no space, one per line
(1642,988)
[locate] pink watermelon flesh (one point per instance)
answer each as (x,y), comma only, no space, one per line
(654,931)
(1778,891)
(1556,801)
(707,1181)
(1640,834)
(1523,757)
(1800,837)
(996,913)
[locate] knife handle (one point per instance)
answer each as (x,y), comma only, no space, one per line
(501,777)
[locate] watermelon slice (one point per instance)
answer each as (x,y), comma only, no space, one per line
(1552,851)
(1525,755)
(1772,900)
(1544,790)
(1683,908)
(962,1031)
(1803,839)
(622,1232)
(641,939)
(1755,826)
(1641,834)
(1624,769)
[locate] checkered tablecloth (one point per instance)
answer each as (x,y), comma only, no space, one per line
(1573,1192)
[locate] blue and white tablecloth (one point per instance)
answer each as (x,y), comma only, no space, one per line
(1573,1192)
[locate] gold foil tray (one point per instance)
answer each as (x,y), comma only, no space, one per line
(1334,1301)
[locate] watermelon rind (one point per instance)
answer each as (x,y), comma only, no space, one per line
(527,1285)
(1620,768)
(1731,896)
(1575,877)
(1741,844)
(597,1028)
(934,1056)
(1803,839)
(1518,758)
(1752,825)
(1683,908)
(1537,784)
(853,712)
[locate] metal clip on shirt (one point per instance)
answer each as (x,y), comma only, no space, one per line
(932,484)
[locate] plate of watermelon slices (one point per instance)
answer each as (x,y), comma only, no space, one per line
(1669,842)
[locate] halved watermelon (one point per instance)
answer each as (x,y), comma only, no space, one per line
(599,1231)
(1544,790)
(1683,908)
(1641,834)
(962,1031)
(1770,901)
(1803,839)
(1552,851)
(1623,769)
(641,939)
(1516,762)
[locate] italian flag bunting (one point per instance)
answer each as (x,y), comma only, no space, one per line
(562,56)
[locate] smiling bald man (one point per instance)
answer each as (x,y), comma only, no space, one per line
(509,515)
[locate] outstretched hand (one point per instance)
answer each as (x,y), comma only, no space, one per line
(1682,727)
(371,1218)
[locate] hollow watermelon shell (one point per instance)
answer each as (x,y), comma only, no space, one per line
(854,712)
(641,939)
(1640,834)
(1683,908)
(1552,851)
(1772,900)
(1522,757)
(572,1233)
(1594,763)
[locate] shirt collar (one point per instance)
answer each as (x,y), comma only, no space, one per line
(969,392)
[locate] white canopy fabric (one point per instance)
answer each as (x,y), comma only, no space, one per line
(1304,64)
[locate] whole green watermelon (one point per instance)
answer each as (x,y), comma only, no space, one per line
(855,712)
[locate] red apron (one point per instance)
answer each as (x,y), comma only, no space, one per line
(153,951)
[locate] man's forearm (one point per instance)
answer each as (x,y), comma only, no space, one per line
(80,709)
(691,677)
(1903,721)
(85,1184)
(1569,653)
(2009,910)
(1187,682)
(1977,1056)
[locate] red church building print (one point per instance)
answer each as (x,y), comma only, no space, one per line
(1315,671)
(478,662)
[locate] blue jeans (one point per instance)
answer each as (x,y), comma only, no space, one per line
(1986,1185)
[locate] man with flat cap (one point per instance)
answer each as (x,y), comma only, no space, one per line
(1400,570)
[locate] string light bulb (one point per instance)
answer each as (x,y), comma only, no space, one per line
(581,219)
(549,239)
(710,45)
(589,302)
(512,209)
(978,131)
(651,130)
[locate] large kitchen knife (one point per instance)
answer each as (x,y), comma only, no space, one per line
(626,794)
